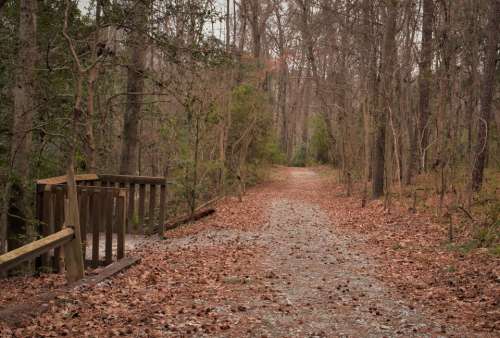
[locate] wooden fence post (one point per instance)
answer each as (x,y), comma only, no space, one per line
(142,199)
(108,225)
(121,213)
(163,200)
(130,212)
(152,207)
(58,209)
(96,220)
(73,250)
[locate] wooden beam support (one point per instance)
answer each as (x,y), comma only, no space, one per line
(73,256)
(35,249)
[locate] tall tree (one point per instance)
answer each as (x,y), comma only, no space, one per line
(425,80)
(24,110)
(386,74)
(135,87)
(487,91)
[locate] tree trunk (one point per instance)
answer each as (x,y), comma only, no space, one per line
(387,70)
(282,85)
(311,57)
(89,147)
(24,110)
(487,90)
(425,77)
(135,87)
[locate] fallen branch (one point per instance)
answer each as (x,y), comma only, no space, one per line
(467,213)
(190,218)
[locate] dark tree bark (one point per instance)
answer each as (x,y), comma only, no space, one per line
(487,91)
(2,3)
(387,69)
(135,88)
(24,110)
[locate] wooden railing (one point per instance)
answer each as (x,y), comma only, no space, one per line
(147,199)
(102,212)
(109,206)
(34,249)
(67,238)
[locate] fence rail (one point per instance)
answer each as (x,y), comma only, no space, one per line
(147,201)
(146,197)
(102,211)
(109,206)
(34,249)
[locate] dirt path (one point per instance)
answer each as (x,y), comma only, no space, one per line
(282,271)
(324,287)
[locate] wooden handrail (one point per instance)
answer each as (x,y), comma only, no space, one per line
(35,249)
(64,179)
(132,179)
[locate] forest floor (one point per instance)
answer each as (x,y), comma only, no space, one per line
(296,259)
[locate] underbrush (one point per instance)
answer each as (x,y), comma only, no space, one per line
(470,221)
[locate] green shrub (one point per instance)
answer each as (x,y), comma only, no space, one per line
(320,145)
(300,157)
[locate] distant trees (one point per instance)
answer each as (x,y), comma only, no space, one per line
(397,74)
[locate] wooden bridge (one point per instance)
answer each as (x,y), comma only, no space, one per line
(110,206)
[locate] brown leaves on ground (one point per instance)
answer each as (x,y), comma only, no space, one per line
(412,254)
(172,292)
(207,288)
(248,215)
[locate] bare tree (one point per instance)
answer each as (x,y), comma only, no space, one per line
(135,88)
(387,73)
(488,88)
(425,78)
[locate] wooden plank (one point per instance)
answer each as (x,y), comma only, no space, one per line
(132,179)
(162,207)
(152,207)
(35,249)
(108,219)
(73,258)
(47,217)
(120,226)
(64,179)
(142,201)
(109,271)
(96,218)
(18,315)
(83,199)
(58,224)
(131,207)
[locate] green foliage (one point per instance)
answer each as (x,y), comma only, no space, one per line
(271,152)
(320,146)
(251,121)
(300,157)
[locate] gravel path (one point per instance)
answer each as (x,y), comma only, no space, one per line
(328,285)
(320,286)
